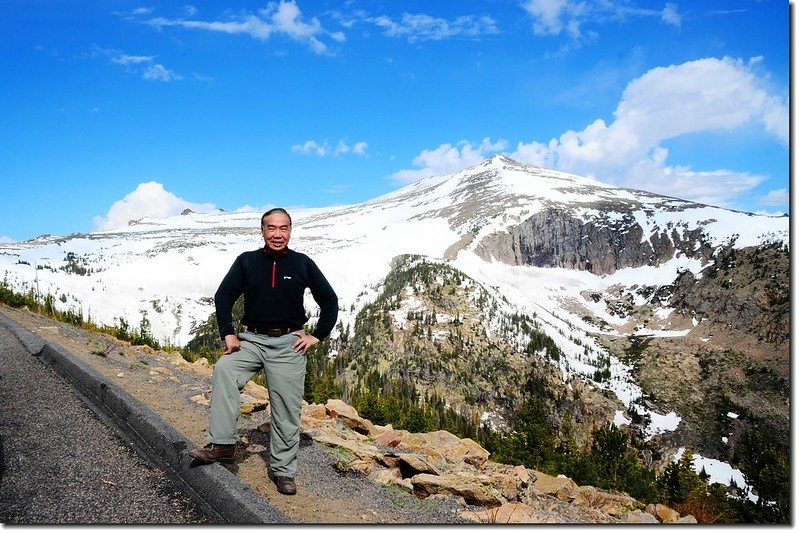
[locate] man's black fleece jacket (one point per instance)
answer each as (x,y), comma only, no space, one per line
(273,285)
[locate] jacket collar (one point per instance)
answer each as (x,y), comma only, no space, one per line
(273,254)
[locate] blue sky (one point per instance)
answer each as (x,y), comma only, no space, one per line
(112,110)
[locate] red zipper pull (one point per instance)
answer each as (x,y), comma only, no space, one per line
(274,269)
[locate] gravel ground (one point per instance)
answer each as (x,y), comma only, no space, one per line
(60,463)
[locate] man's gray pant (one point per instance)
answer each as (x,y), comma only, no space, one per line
(285,377)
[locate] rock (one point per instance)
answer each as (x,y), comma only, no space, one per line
(360,449)
(562,487)
(473,490)
(411,464)
(664,514)
(557,238)
(175,358)
(202,367)
(337,407)
(390,438)
(507,485)
(638,516)
(391,477)
(524,475)
(201,399)
(253,398)
(607,502)
(314,410)
(507,513)
(687,519)
(445,447)
(349,416)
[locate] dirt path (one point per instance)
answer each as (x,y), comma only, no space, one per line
(324,497)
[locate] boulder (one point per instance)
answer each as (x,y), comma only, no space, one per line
(314,410)
(411,464)
(359,448)
(638,516)
(390,437)
(562,487)
(348,416)
(664,514)
(472,489)
(444,447)
(610,503)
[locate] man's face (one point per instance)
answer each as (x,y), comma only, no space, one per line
(276,231)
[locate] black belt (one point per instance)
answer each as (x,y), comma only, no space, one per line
(269,332)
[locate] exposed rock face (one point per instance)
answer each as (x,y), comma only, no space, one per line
(558,238)
(736,357)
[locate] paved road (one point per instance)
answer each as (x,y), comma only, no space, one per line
(61,464)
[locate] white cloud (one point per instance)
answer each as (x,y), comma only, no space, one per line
(284,18)
(550,17)
(124,59)
(150,71)
(421,27)
(323,149)
(447,159)
(707,95)
(158,72)
(778,197)
(148,200)
(311,147)
(5,240)
(671,16)
(703,96)
(554,17)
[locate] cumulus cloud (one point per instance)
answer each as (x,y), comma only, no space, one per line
(283,18)
(324,148)
(148,200)
(703,96)
(707,95)
(447,159)
(5,240)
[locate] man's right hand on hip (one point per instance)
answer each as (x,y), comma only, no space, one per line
(232,344)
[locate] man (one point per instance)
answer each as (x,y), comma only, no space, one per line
(273,281)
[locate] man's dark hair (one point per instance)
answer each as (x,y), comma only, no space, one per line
(273,211)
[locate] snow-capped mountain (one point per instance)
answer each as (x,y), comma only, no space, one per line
(541,239)
(169,268)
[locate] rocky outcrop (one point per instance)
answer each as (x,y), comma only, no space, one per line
(602,245)
(440,464)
